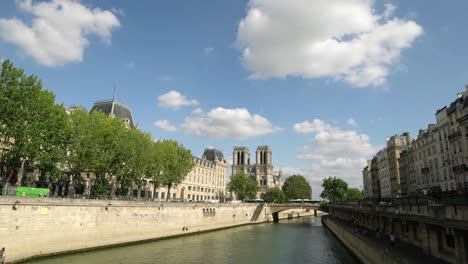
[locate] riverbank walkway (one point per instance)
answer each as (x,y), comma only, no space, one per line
(403,252)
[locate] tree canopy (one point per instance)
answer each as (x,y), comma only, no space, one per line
(36,134)
(297,187)
(275,195)
(335,190)
(354,194)
(243,185)
(31,124)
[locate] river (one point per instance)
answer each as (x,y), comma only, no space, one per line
(302,240)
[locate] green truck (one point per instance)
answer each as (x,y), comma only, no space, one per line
(32,192)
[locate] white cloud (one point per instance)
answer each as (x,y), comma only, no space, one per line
(389,10)
(235,123)
(197,111)
(351,122)
(175,100)
(342,39)
(165,125)
(334,152)
(59,30)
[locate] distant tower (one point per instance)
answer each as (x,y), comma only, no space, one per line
(264,168)
(241,160)
(261,171)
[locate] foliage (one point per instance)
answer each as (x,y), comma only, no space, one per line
(243,185)
(297,187)
(334,189)
(275,195)
(31,124)
(354,194)
(39,134)
(178,163)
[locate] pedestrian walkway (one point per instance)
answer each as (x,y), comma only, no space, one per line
(402,252)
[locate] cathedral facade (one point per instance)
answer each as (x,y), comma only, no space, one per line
(261,170)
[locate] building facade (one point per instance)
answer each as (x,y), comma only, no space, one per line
(367,180)
(206,181)
(261,171)
(395,145)
(436,161)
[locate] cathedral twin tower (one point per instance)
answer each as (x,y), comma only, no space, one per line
(261,171)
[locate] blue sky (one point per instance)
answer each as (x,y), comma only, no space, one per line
(321,82)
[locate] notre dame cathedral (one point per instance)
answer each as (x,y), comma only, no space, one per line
(261,171)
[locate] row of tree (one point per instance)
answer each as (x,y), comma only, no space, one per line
(38,133)
(245,187)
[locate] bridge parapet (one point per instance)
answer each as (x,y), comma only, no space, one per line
(275,208)
(434,212)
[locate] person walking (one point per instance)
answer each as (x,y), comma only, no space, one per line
(392,239)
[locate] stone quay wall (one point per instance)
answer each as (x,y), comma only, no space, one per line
(33,227)
(365,252)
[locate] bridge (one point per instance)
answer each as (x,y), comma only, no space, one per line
(276,208)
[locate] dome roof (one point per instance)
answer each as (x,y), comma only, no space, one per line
(213,154)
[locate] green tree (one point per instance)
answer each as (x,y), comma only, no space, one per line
(31,124)
(354,194)
(275,195)
(179,164)
(297,187)
(243,185)
(334,189)
(159,163)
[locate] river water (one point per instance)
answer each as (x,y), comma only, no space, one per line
(302,240)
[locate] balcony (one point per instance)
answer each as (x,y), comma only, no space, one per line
(454,135)
(463,119)
(459,168)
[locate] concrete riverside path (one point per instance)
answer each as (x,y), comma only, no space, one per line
(401,253)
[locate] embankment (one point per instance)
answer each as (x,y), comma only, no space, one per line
(31,227)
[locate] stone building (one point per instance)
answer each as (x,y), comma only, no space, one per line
(436,161)
(261,171)
(206,181)
(367,180)
(395,145)
(384,174)
(115,108)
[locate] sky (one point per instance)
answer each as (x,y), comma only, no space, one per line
(322,82)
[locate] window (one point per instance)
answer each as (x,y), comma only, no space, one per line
(162,195)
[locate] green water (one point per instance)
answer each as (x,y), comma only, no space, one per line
(302,240)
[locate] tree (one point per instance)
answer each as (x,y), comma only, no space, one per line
(31,125)
(297,187)
(179,164)
(243,185)
(354,194)
(275,195)
(334,189)
(159,163)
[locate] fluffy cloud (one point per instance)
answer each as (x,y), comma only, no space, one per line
(59,30)
(342,39)
(175,100)
(334,152)
(351,122)
(165,125)
(228,123)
